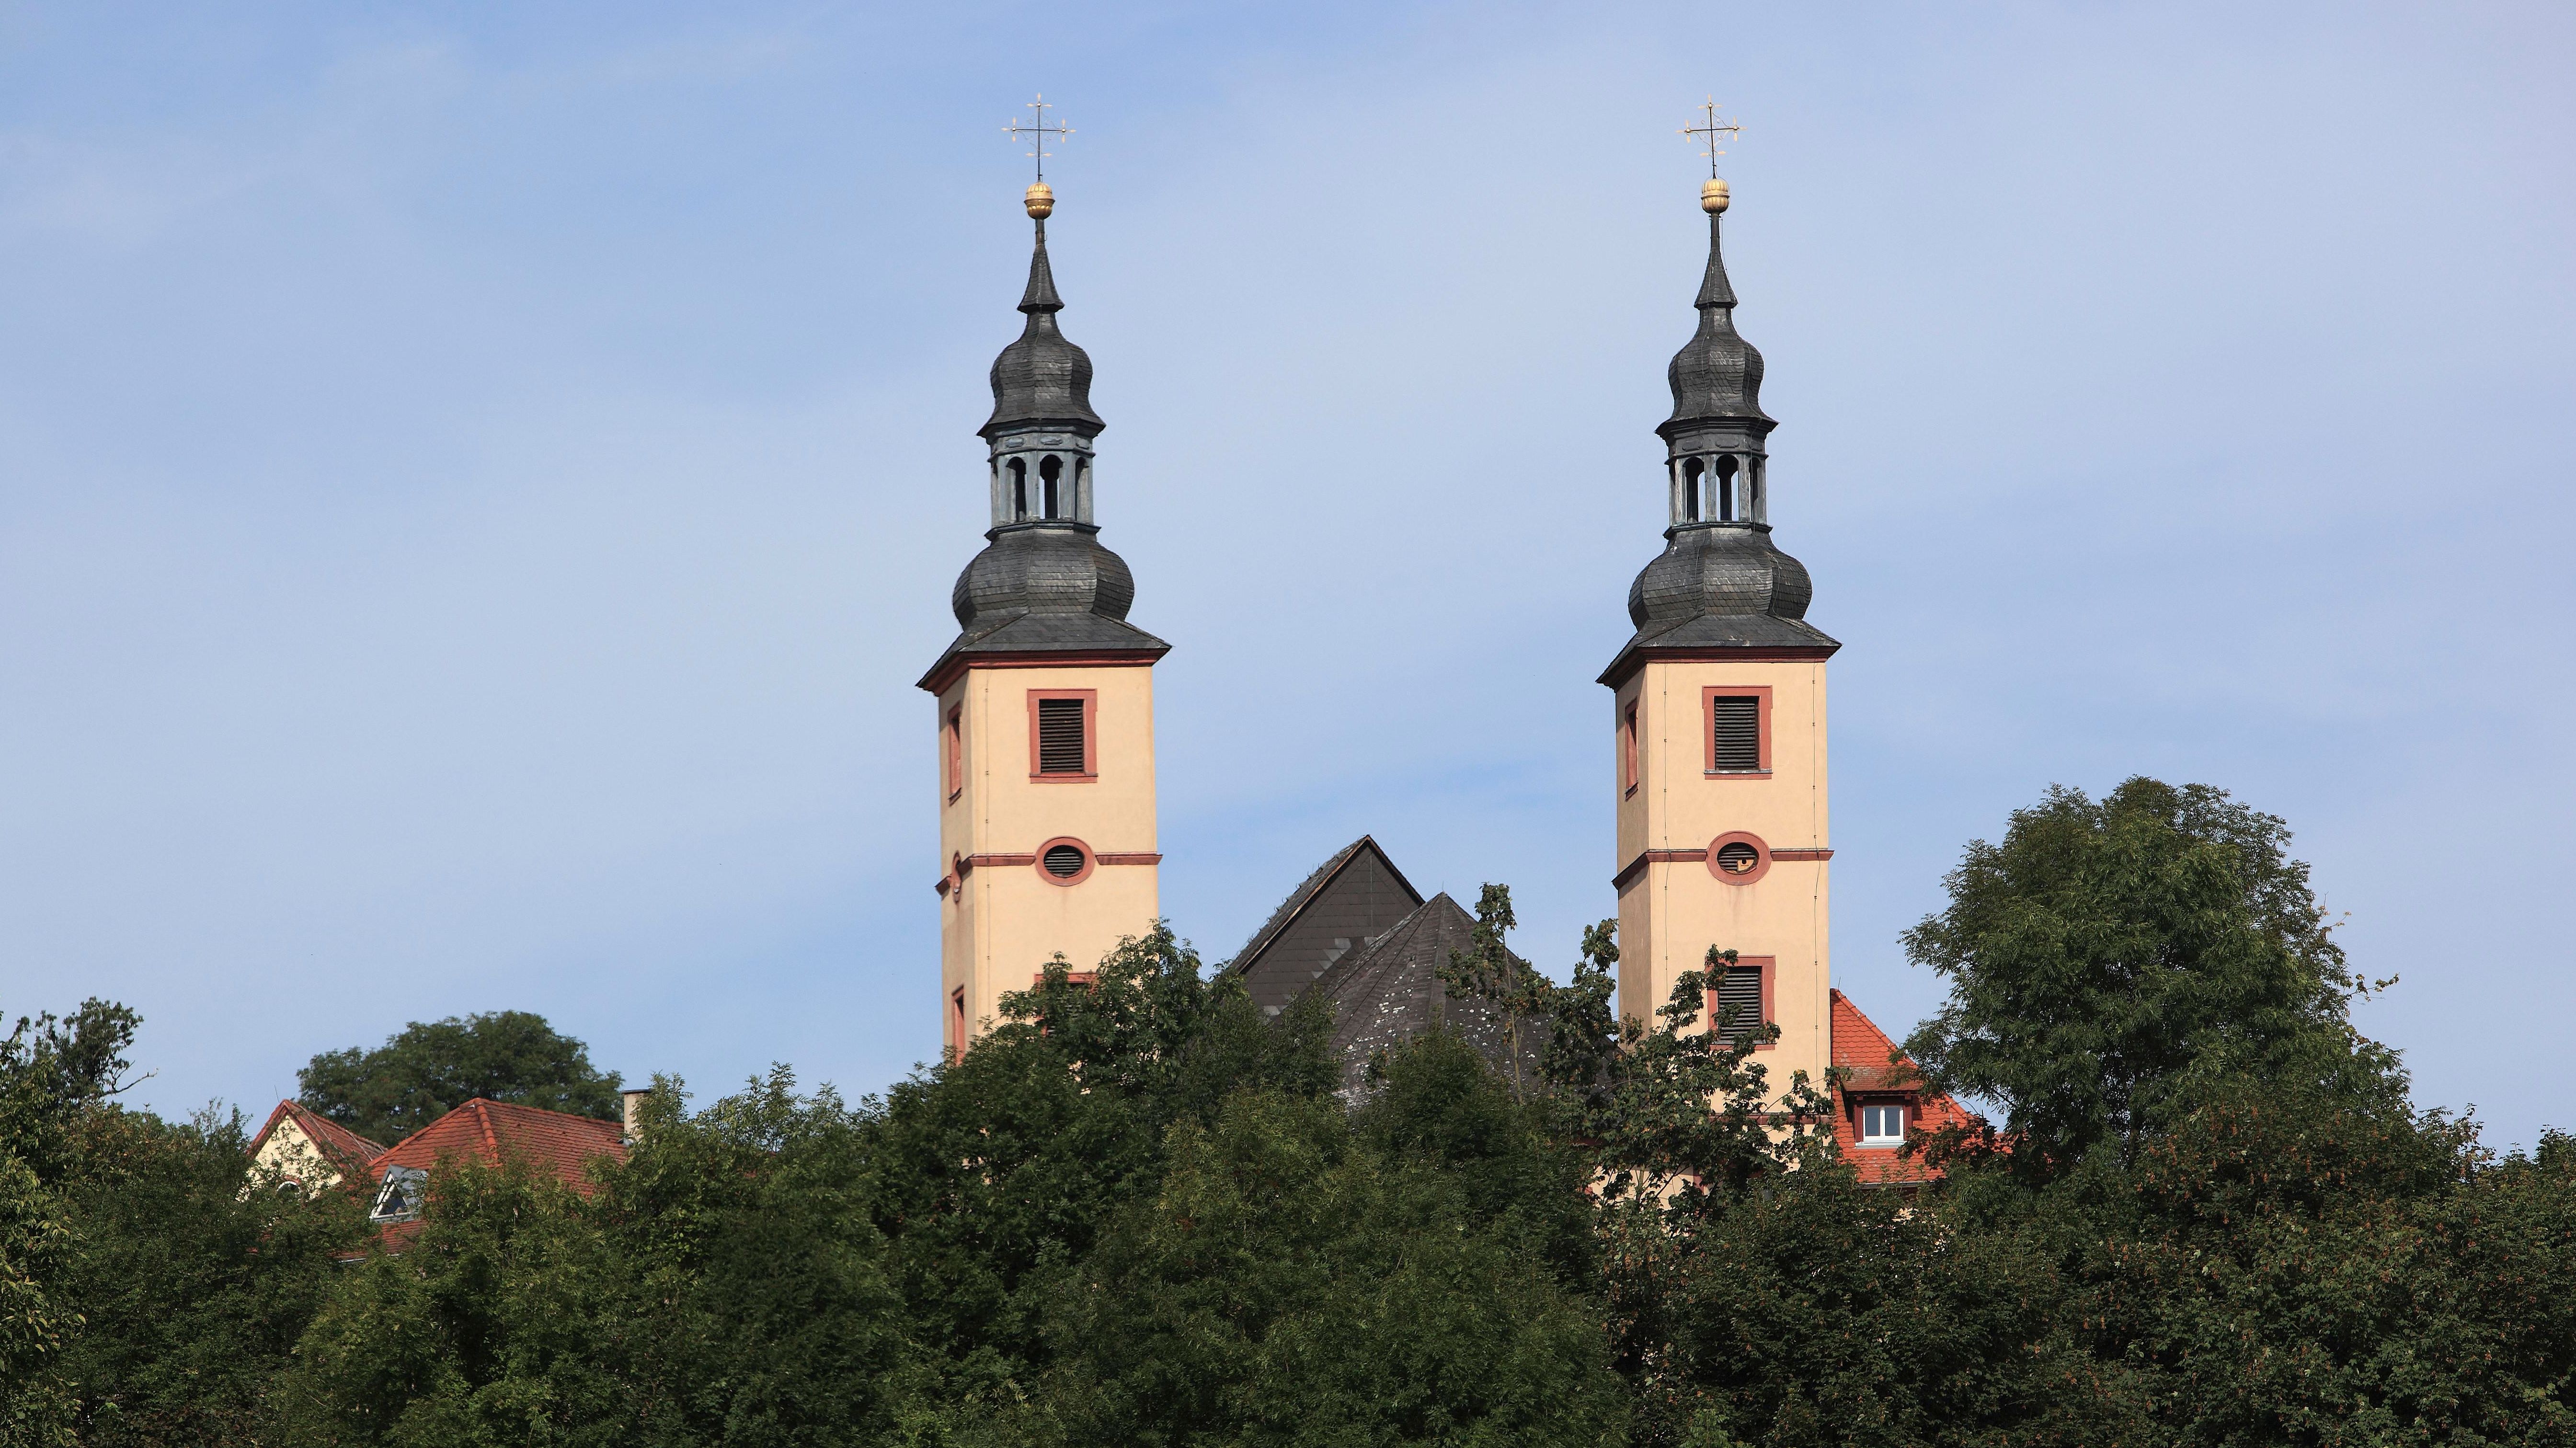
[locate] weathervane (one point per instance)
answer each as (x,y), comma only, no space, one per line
(1709,131)
(1036,134)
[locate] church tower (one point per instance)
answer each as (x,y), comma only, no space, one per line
(1719,718)
(1046,699)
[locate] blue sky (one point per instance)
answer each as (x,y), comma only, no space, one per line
(482,480)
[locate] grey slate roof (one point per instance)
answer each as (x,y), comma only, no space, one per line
(1349,900)
(1391,991)
(1049,586)
(1045,587)
(1717,375)
(1042,379)
(1717,586)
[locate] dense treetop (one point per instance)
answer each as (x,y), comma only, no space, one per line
(430,1068)
(1136,1213)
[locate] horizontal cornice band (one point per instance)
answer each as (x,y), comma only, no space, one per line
(968,864)
(1633,659)
(938,680)
(1644,858)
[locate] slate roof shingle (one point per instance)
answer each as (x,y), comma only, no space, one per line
(1390,991)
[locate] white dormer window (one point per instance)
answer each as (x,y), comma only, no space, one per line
(1882,1126)
(398,1200)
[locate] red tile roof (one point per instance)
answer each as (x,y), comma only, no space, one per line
(1876,1066)
(493,1131)
(346,1149)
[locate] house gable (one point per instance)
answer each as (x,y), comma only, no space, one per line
(1874,1072)
(309,1150)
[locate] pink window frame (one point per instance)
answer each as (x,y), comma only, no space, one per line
(1766,964)
(952,748)
(1761,857)
(1708,698)
(1090,861)
(1090,735)
(1628,777)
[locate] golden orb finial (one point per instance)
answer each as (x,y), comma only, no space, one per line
(1041,201)
(1712,196)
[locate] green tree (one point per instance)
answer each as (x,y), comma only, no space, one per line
(785,1270)
(35,1319)
(1813,1310)
(2111,962)
(2283,1266)
(1285,1284)
(1667,1112)
(430,1068)
(54,1069)
(193,1289)
(1438,1104)
(53,1072)
(723,1285)
(1017,1154)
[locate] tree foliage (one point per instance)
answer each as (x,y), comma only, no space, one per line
(1287,1284)
(194,1278)
(53,1071)
(2112,962)
(430,1068)
(1136,1213)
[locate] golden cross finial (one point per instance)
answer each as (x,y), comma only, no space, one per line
(1036,134)
(1709,130)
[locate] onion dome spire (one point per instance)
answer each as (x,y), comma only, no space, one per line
(1043,585)
(1717,375)
(1042,379)
(1720,584)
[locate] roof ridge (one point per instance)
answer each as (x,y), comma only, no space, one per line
(1854,1007)
(260,1137)
(341,1136)
(1310,887)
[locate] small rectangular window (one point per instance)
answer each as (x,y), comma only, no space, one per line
(1737,1010)
(953,751)
(1061,745)
(1628,749)
(957,1023)
(1060,736)
(1735,733)
(1882,1126)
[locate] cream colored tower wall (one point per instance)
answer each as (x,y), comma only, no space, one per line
(1671,907)
(1002,917)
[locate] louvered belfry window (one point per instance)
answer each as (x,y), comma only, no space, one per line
(1735,729)
(1060,742)
(1738,1012)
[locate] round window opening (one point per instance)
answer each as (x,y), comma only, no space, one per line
(1738,858)
(1064,861)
